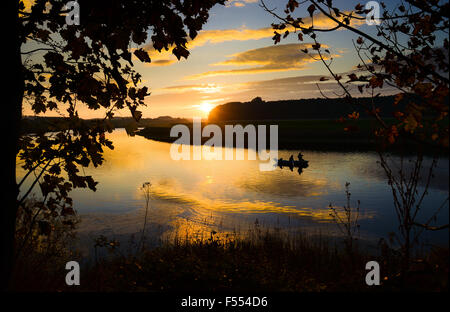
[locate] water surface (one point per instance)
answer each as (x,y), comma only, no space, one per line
(201,195)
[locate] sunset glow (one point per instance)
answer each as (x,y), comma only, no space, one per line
(233,58)
(206,107)
(194,151)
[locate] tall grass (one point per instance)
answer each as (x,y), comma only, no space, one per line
(257,259)
(260,260)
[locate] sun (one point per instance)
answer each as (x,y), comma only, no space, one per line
(206,107)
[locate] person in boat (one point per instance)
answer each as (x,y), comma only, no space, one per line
(291,162)
(301,161)
(280,163)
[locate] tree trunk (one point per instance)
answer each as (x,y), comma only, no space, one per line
(12,108)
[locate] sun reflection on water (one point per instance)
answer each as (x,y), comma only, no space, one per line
(228,193)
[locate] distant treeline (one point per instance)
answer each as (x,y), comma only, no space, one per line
(48,124)
(319,108)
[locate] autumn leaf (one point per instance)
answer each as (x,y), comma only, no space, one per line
(353,77)
(292,5)
(398,115)
(42,34)
(376,82)
(142,55)
(180,52)
(391,138)
(398,98)
(354,115)
(311,9)
(392,134)
(137,115)
(142,93)
(276,38)
(410,123)
(337,12)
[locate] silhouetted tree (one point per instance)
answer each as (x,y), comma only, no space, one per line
(408,51)
(325,108)
(60,67)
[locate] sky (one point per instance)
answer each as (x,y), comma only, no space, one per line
(234,59)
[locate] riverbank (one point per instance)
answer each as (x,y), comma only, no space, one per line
(263,261)
(292,134)
(311,134)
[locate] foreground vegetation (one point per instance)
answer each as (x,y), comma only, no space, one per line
(262,260)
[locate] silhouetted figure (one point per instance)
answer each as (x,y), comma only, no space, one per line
(291,163)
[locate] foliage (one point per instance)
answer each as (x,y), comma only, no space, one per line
(45,239)
(404,180)
(66,67)
(247,263)
(408,52)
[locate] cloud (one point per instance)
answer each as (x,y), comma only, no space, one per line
(205,88)
(239,3)
(244,34)
(277,58)
(274,89)
(162,62)
(186,100)
(266,87)
(296,87)
(299,87)
(215,36)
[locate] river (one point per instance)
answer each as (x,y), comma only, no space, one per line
(195,197)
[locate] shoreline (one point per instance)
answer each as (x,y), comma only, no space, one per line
(317,134)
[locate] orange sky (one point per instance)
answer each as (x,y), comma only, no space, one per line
(234,59)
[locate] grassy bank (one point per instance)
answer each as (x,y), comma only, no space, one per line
(317,134)
(266,263)
(263,260)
